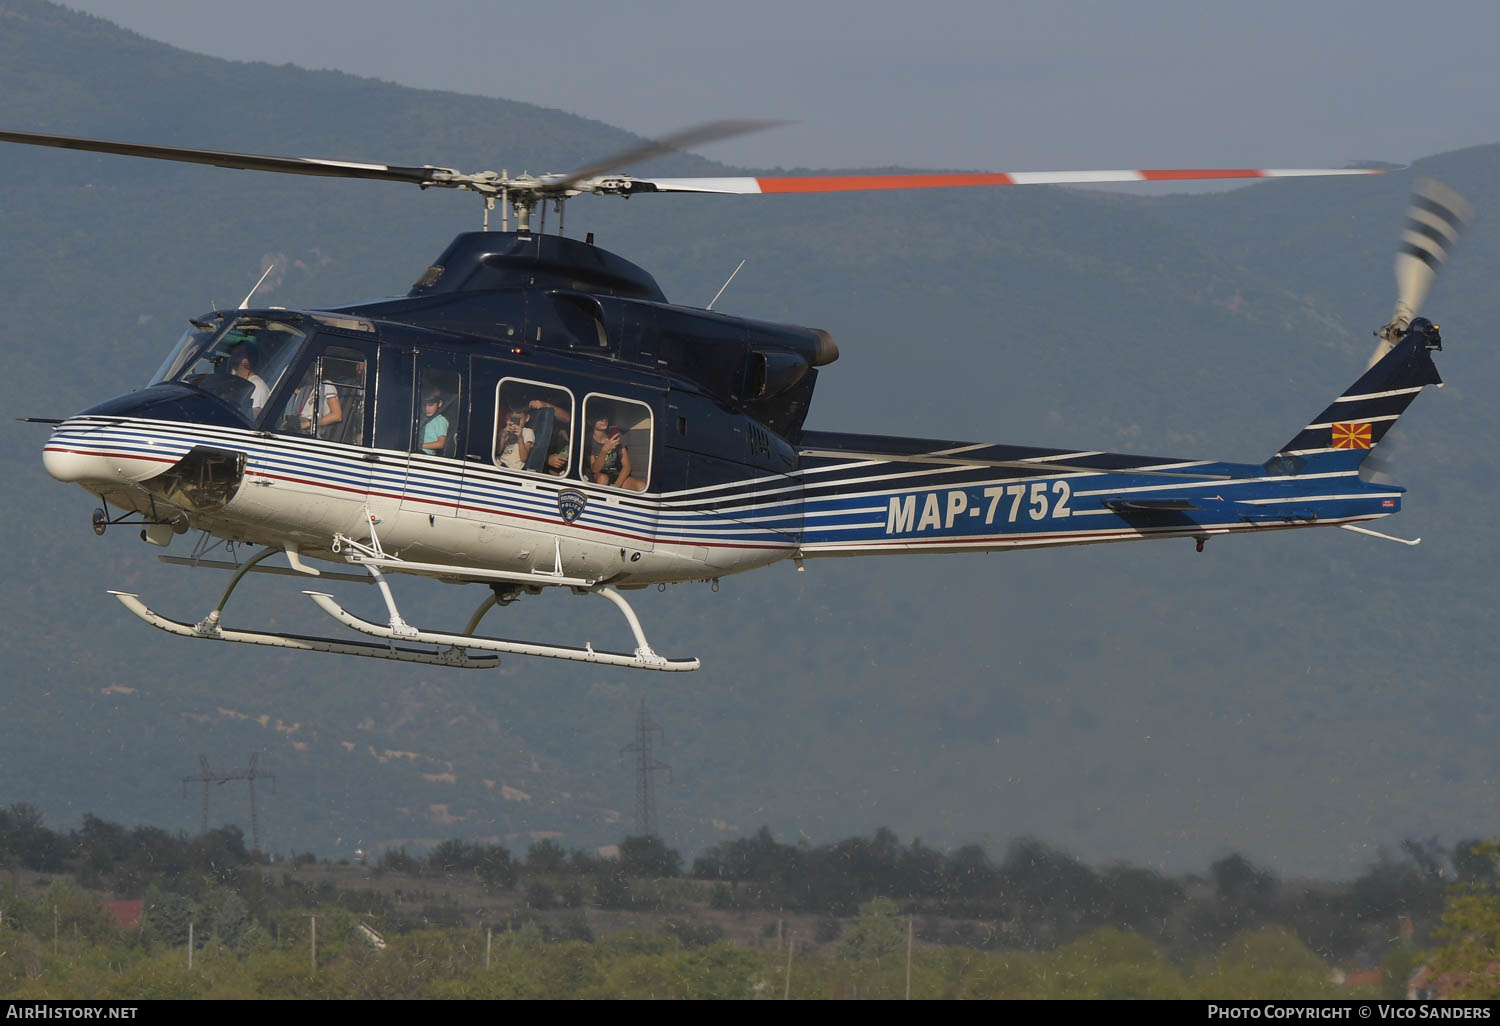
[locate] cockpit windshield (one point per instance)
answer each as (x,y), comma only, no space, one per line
(239,360)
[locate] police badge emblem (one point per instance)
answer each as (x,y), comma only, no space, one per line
(570,503)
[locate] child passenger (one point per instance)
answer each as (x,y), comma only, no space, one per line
(515,441)
(609,459)
(435,425)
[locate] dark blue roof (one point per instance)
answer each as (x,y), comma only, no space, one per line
(480,261)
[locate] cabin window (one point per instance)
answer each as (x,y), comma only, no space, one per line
(439,398)
(617,443)
(533,427)
(329,401)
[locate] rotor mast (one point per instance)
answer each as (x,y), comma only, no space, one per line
(520,196)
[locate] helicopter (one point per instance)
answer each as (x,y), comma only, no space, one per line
(534,413)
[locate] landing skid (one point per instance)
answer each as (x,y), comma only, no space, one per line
(449,649)
(373,558)
(209,630)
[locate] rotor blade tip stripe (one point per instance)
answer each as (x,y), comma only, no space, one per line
(851,183)
(1432,260)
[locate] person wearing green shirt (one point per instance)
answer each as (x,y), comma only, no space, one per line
(435,425)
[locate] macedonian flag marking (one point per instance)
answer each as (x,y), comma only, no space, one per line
(1351,436)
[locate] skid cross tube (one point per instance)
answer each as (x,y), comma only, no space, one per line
(209,625)
(449,649)
(644,657)
(484,607)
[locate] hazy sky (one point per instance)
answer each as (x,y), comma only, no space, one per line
(941,83)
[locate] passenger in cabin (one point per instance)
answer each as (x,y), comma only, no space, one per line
(558,445)
(515,441)
(609,459)
(434,424)
(243,358)
(355,433)
(316,406)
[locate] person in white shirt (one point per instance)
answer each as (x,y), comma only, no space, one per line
(243,358)
(515,441)
(311,419)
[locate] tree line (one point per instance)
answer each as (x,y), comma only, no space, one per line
(1033,897)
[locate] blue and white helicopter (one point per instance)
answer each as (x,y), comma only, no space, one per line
(535,414)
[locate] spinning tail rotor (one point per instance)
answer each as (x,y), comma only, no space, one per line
(1436,219)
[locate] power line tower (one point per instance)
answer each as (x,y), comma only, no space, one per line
(645,770)
(210,776)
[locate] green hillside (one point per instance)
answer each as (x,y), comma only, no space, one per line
(1305,698)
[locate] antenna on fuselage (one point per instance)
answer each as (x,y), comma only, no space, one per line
(719,293)
(246,301)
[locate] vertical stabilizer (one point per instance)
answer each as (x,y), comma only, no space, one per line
(1344,434)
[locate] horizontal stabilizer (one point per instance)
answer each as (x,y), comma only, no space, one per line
(1146,505)
(1152,505)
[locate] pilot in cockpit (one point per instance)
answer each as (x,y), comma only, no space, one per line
(243,361)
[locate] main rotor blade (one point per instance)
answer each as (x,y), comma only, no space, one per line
(697,135)
(862,183)
(239,161)
(490,184)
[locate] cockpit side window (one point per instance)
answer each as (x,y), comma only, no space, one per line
(534,427)
(189,347)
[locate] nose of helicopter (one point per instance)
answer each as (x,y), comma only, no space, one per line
(70,466)
(127,439)
(97,457)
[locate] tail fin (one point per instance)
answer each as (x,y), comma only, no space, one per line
(1346,432)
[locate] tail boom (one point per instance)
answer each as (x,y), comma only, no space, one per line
(1005,497)
(868,494)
